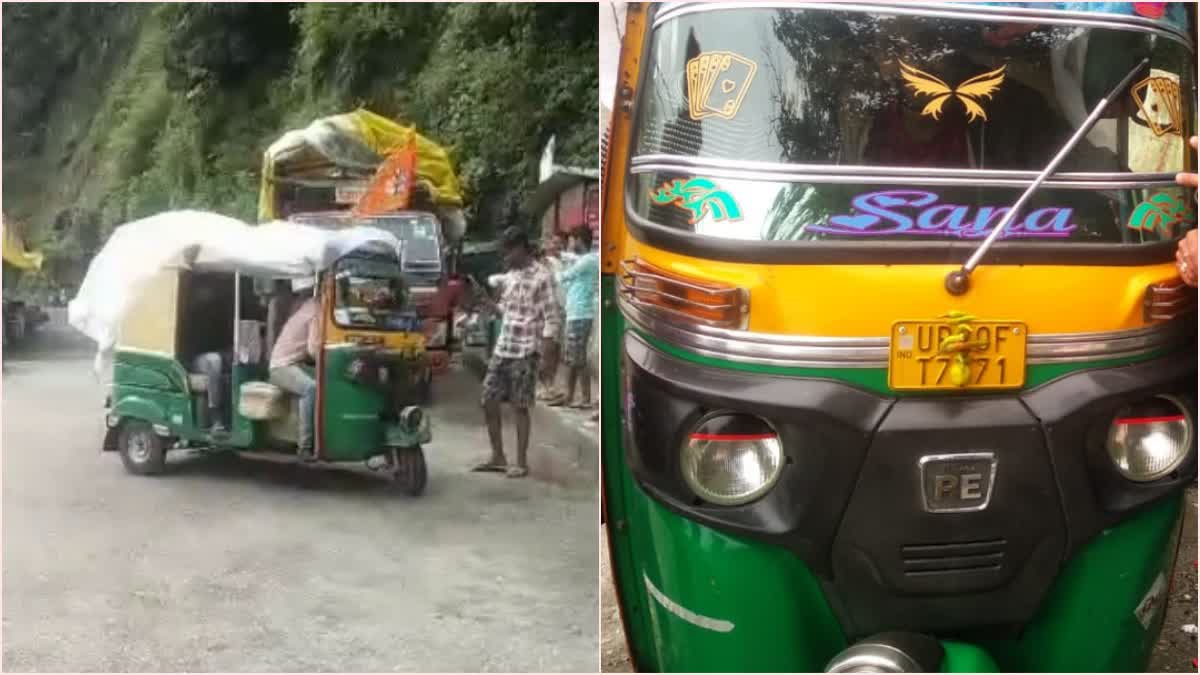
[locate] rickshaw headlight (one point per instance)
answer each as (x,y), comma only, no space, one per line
(731,459)
(1149,440)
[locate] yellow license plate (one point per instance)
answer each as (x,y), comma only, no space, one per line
(996,359)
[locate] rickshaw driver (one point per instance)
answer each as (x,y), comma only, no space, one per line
(299,342)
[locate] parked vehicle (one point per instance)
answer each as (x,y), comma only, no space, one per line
(318,175)
(434,289)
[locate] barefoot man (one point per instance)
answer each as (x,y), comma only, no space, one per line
(529,308)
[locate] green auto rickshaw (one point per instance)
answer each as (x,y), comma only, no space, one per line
(899,369)
(368,369)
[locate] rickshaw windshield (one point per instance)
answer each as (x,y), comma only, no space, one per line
(370,293)
(420,233)
(817,123)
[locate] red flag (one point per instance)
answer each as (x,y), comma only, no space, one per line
(391,188)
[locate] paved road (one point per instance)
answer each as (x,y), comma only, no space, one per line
(1173,653)
(229,564)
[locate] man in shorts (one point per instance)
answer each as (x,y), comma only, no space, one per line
(553,260)
(581,281)
(531,313)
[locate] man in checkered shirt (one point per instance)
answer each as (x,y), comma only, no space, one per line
(531,320)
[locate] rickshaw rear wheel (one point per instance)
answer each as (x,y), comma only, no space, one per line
(142,451)
(409,472)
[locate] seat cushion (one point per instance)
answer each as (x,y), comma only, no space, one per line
(262,401)
(197,383)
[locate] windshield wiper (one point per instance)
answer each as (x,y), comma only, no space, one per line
(958,281)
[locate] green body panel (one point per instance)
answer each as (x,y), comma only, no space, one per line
(352,427)
(139,405)
(143,377)
(353,430)
(781,619)
(771,605)
(153,387)
(1087,622)
(149,369)
(961,657)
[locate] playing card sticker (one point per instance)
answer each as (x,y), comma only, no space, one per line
(717,82)
(1159,102)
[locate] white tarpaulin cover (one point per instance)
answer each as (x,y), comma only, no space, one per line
(136,251)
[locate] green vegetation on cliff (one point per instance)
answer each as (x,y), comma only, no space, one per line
(116,111)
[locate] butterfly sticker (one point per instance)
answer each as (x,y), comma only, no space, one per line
(969,92)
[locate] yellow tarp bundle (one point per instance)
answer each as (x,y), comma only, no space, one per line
(360,139)
(15,253)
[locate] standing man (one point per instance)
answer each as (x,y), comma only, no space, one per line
(581,282)
(531,315)
(297,344)
(548,391)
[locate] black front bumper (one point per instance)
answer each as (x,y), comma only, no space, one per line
(849,501)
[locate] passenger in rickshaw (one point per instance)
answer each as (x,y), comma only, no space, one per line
(209,338)
(298,344)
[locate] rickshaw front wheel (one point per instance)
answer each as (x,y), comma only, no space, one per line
(409,472)
(143,452)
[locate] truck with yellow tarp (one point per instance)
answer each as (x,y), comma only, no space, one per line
(360,168)
(20,317)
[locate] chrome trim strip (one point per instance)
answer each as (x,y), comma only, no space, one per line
(948,11)
(794,351)
(781,172)
(802,176)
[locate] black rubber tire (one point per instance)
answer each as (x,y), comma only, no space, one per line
(143,452)
(410,474)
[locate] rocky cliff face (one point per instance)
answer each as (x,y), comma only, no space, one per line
(116,111)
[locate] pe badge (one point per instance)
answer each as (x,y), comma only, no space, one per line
(717,83)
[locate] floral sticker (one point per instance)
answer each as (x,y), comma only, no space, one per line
(1162,212)
(702,197)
